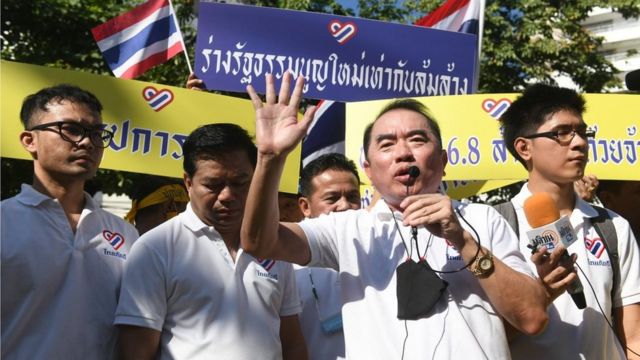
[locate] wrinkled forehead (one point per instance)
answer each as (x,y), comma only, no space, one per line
(400,121)
(401,126)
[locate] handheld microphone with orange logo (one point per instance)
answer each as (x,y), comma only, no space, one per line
(549,229)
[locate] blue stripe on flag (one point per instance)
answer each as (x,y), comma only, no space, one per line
(328,130)
(156,31)
(470,27)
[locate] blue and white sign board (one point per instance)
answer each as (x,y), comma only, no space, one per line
(342,58)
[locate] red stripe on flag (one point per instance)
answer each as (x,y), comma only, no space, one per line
(153,60)
(444,11)
(127,19)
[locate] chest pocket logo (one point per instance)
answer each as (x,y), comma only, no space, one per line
(266,264)
(595,246)
(116,240)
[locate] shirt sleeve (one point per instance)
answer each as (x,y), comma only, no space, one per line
(628,292)
(504,243)
(322,236)
(290,300)
(143,299)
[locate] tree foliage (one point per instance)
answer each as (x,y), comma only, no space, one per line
(57,33)
(523,41)
(527,41)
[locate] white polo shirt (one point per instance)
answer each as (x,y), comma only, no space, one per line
(320,345)
(583,334)
(60,289)
(181,281)
(367,248)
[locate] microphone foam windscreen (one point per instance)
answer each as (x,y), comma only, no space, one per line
(540,210)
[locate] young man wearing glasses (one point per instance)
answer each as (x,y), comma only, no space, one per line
(62,256)
(545,131)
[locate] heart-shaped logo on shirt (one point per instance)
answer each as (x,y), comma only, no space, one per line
(158,100)
(115,239)
(342,32)
(495,108)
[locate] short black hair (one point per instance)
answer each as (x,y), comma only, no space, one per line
(531,109)
(59,93)
(406,104)
(212,140)
(150,183)
(332,161)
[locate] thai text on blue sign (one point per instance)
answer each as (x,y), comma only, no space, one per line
(342,58)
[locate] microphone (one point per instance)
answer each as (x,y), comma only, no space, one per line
(414,172)
(549,229)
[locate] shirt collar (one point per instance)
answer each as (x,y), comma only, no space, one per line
(29,196)
(518,200)
(32,197)
(383,211)
(193,222)
(581,210)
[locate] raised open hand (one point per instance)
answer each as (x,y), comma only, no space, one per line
(277,128)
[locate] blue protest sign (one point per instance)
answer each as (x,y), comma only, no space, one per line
(342,58)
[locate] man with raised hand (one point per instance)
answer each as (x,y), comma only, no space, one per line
(329,183)
(62,255)
(415,282)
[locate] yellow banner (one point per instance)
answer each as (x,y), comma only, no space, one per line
(471,136)
(150,121)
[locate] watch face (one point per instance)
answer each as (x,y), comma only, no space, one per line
(485,264)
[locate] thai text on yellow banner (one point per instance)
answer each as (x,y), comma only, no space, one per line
(150,121)
(471,135)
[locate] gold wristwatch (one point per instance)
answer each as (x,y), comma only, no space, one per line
(483,265)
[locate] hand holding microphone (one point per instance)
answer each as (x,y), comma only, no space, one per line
(433,211)
(555,233)
(555,269)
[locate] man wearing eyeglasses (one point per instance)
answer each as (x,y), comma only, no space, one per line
(545,131)
(62,256)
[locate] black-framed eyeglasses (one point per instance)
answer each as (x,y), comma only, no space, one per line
(74,133)
(564,136)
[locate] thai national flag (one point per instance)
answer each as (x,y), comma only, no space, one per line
(326,133)
(455,15)
(139,39)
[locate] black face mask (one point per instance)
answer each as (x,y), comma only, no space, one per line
(418,289)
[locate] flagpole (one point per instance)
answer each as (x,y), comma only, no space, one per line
(175,21)
(476,82)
